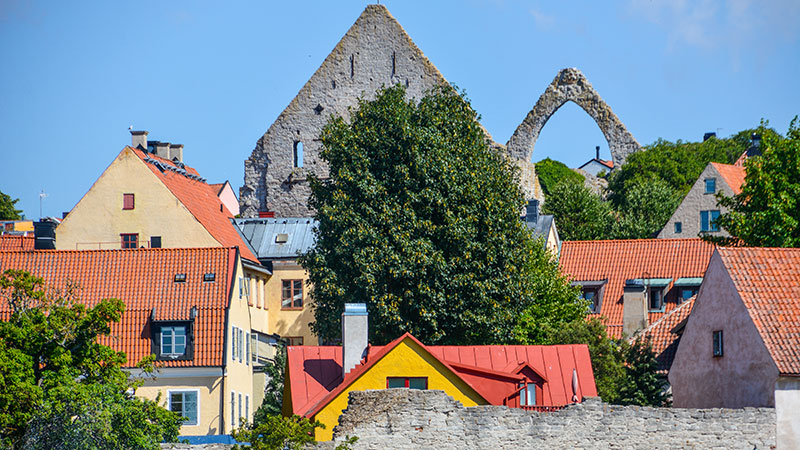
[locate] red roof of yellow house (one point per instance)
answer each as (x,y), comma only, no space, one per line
(16,242)
(145,280)
(200,198)
(732,175)
(493,371)
(664,334)
(618,260)
(768,282)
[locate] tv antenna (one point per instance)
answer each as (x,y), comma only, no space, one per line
(42,196)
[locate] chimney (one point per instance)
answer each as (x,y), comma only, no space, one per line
(176,152)
(139,139)
(44,233)
(162,149)
(709,135)
(532,211)
(597,151)
(634,311)
(354,335)
(755,148)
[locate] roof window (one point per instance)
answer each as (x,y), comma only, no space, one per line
(180,278)
(281,238)
(211,276)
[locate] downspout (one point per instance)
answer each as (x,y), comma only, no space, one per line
(224,394)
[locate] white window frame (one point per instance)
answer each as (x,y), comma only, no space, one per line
(197,404)
(233,410)
(173,354)
(234,345)
(527,395)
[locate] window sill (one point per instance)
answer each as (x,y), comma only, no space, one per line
(291,308)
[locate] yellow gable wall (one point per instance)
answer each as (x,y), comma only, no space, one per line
(289,322)
(98,219)
(408,359)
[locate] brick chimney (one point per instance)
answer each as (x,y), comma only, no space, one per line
(139,139)
(354,335)
(176,152)
(634,302)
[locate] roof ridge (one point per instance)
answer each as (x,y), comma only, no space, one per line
(106,250)
(666,316)
(635,240)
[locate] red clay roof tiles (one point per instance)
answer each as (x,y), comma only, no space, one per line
(661,336)
(16,242)
(768,281)
(144,280)
(733,175)
(619,260)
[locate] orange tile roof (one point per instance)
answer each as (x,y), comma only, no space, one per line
(661,336)
(16,242)
(202,200)
(619,260)
(768,281)
(144,280)
(733,175)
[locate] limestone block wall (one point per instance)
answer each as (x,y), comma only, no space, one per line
(412,419)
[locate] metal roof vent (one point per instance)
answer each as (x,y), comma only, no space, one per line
(281,238)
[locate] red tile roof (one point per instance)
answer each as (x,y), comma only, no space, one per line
(619,260)
(16,242)
(609,164)
(315,372)
(733,175)
(202,200)
(144,280)
(662,334)
(768,281)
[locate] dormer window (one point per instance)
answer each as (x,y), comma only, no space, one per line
(687,287)
(527,394)
(656,288)
(592,292)
(173,340)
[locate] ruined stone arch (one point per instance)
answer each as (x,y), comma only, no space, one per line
(570,85)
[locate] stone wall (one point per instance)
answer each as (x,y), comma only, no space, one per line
(411,419)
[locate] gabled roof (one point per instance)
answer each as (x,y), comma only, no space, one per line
(16,242)
(768,282)
(144,280)
(609,164)
(542,225)
(619,260)
(732,175)
(200,198)
(315,372)
(664,336)
(262,235)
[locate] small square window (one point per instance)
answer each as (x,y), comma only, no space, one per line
(128,201)
(129,240)
(292,294)
(711,185)
(185,404)
(656,298)
(155,241)
(209,277)
(180,278)
(407,382)
(687,293)
(293,341)
(718,343)
(678,227)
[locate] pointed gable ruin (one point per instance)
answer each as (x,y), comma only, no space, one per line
(374,52)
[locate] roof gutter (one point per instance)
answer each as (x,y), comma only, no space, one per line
(256,267)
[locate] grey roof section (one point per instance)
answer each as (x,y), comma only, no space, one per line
(262,234)
(541,227)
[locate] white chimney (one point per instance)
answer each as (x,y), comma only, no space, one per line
(354,335)
(139,139)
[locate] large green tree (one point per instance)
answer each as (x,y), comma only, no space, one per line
(580,214)
(644,208)
(767,211)
(7,210)
(420,220)
(59,387)
(551,173)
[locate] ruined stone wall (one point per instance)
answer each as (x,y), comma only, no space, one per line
(412,419)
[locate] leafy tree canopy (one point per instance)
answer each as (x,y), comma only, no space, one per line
(7,210)
(420,220)
(644,208)
(767,211)
(60,388)
(551,173)
(580,214)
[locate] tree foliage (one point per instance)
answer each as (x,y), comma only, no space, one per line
(7,210)
(551,173)
(644,208)
(642,385)
(767,211)
(580,213)
(420,220)
(275,432)
(273,393)
(59,387)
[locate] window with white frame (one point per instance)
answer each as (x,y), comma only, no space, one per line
(234,344)
(185,404)
(173,341)
(527,394)
(233,410)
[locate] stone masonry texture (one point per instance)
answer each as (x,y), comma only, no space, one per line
(415,419)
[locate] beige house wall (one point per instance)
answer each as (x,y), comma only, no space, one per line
(787,410)
(688,212)
(745,374)
(289,322)
(552,240)
(98,219)
(239,371)
(209,389)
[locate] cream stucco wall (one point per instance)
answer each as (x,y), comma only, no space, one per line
(289,322)
(745,375)
(239,371)
(209,389)
(688,212)
(787,410)
(98,219)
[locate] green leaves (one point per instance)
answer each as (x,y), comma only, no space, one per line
(276,432)
(7,210)
(420,220)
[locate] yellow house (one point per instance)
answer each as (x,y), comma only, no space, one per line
(319,378)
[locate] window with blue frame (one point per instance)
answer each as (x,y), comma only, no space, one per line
(711,185)
(708,220)
(678,227)
(687,293)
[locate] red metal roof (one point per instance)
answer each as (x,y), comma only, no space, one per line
(493,371)
(619,260)
(16,242)
(768,281)
(732,175)
(202,200)
(662,336)
(144,280)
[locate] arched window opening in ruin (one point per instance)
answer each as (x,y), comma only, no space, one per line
(298,154)
(571,137)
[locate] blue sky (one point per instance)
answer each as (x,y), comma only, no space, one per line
(214,75)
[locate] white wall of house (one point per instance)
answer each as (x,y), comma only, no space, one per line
(787,410)
(697,200)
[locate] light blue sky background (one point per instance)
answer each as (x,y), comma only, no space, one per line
(214,75)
